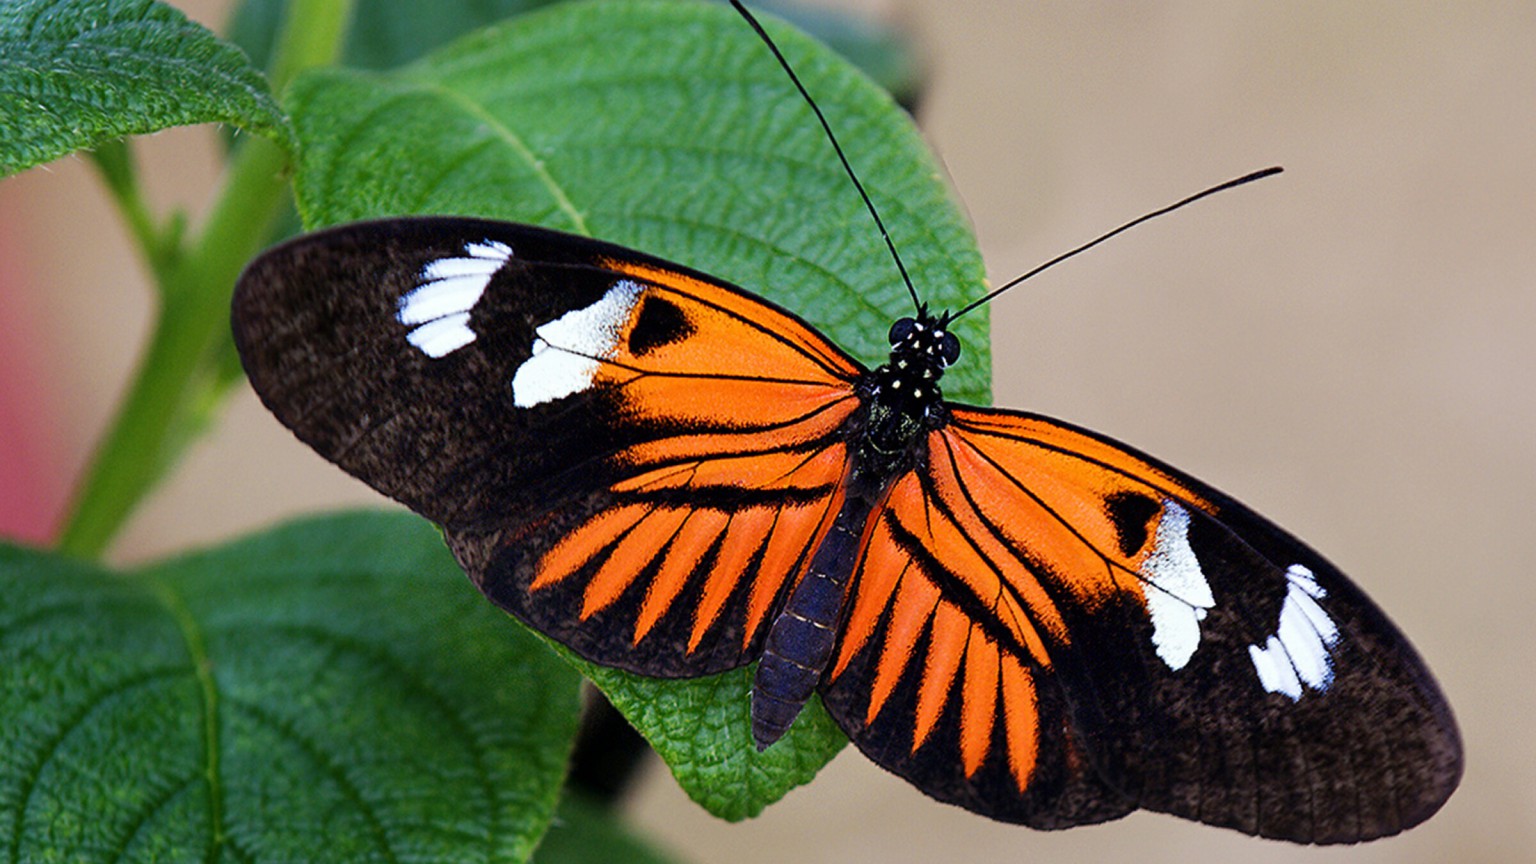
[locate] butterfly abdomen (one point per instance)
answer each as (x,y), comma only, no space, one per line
(801,639)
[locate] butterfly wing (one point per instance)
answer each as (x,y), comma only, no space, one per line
(1060,629)
(632,457)
(951,683)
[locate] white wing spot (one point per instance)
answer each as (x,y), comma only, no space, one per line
(1179,595)
(568,351)
(1297,655)
(440,337)
(437,309)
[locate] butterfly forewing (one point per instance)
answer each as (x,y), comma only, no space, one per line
(633,457)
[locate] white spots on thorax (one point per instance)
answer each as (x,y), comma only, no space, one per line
(437,310)
(1297,654)
(568,351)
(1178,594)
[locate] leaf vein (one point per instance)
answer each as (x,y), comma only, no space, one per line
(517,144)
(50,746)
(460,729)
(202,666)
(151,807)
(336,772)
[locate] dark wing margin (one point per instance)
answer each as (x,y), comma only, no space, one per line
(1187,655)
(631,456)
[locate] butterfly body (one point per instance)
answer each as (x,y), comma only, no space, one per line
(672,476)
(898,403)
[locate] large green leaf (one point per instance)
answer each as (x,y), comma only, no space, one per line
(702,729)
(384,33)
(76,74)
(388,33)
(587,833)
(333,690)
(667,127)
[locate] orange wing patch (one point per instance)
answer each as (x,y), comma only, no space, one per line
(625,559)
(725,475)
(744,533)
(966,576)
(737,327)
(715,549)
(966,684)
(697,535)
(1019,710)
(1047,492)
(796,533)
(691,353)
(948,634)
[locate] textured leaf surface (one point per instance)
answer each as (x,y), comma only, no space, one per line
(384,33)
(585,833)
(333,690)
(78,73)
(702,729)
(389,33)
(669,128)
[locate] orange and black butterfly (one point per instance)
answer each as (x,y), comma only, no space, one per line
(673,476)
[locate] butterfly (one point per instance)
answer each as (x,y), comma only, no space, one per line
(673,476)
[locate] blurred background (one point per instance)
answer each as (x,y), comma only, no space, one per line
(1348,348)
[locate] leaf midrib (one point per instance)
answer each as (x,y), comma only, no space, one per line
(202,667)
(519,147)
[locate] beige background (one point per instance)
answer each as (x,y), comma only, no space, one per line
(1348,347)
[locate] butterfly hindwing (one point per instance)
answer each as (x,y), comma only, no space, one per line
(1101,633)
(633,457)
(950,691)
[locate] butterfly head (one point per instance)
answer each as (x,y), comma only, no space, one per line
(907,386)
(924,342)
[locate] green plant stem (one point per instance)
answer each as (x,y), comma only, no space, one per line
(313,35)
(119,172)
(177,377)
(152,426)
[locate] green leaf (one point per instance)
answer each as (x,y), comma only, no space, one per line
(669,128)
(332,690)
(390,33)
(384,33)
(702,729)
(78,73)
(585,833)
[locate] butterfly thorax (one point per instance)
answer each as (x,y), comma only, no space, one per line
(902,396)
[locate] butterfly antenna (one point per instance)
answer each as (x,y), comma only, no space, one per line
(1246,178)
(827,128)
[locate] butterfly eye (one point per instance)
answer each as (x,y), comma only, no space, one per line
(901,331)
(949,348)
